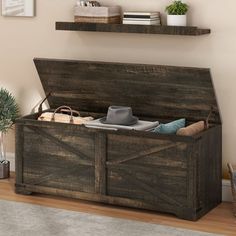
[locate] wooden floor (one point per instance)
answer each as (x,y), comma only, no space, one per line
(219,220)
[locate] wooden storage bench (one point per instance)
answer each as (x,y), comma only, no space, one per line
(166,173)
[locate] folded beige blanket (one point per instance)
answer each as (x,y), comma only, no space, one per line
(192,129)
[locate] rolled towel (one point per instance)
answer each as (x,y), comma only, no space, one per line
(192,129)
(170,128)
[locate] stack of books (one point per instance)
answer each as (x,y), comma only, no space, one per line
(142,18)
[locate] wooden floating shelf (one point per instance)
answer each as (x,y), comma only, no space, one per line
(141,29)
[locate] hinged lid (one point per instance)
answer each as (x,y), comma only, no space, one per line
(151,90)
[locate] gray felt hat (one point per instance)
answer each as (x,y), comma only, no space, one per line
(119,115)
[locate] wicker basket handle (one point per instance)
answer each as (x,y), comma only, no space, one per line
(65,109)
(69,111)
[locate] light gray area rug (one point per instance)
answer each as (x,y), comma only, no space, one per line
(20,219)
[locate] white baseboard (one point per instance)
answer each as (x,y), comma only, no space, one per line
(11,158)
(226,191)
(226,187)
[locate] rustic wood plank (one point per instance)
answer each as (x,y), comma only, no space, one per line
(50,159)
(60,143)
(100,163)
(143,153)
(157,193)
(159,92)
(69,177)
(211,169)
(123,146)
(124,28)
(153,170)
(97,198)
(80,180)
(192,180)
(46,151)
(51,173)
(149,187)
(19,143)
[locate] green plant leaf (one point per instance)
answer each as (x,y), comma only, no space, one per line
(177,8)
(9,110)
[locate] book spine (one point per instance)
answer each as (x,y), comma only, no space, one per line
(140,23)
(141,19)
(140,16)
(142,13)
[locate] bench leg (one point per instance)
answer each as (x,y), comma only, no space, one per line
(22,190)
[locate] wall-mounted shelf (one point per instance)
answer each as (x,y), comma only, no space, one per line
(142,29)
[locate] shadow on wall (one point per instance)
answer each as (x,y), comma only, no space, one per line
(35,98)
(30,100)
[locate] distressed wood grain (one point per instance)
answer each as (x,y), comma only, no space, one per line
(166,173)
(159,92)
(124,28)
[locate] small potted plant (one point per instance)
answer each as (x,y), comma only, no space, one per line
(8,114)
(176,13)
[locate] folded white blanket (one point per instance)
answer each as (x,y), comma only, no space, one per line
(141,125)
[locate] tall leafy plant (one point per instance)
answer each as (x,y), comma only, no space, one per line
(8,110)
(177,8)
(8,113)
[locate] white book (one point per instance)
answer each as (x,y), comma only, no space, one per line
(151,21)
(141,16)
(141,125)
(141,19)
(141,13)
(130,22)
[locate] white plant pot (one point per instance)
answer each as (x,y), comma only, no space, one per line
(177,20)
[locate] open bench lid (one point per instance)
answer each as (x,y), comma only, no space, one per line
(153,91)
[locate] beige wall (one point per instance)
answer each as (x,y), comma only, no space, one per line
(23,39)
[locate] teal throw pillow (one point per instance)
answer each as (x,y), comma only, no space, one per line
(170,128)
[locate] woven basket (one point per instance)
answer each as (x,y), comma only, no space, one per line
(108,15)
(232,172)
(107,20)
